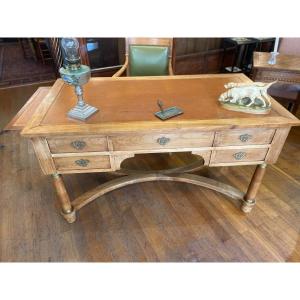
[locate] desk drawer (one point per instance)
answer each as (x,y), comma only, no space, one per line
(82,162)
(163,141)
(238,155)
(244,137)
(77,144)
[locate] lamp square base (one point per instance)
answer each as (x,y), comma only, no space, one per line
(82,112)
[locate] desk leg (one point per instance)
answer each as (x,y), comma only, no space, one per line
(249,199)
(67,210)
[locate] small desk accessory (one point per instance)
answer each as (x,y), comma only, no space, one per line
(273,56)
(76,74)
(274,53)
(247,97)
(167,113)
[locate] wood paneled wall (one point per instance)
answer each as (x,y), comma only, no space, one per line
(185,46)
(198,55)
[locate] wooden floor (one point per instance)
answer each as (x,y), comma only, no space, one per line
(155,221)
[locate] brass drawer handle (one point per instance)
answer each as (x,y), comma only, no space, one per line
(82,162)
(239,155)
(163,140)
(245,137)
(78,145)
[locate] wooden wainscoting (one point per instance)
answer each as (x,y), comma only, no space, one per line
(200,56)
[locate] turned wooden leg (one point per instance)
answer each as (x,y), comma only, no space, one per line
(249,199)
(67,210)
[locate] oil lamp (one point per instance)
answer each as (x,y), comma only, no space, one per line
(76,74)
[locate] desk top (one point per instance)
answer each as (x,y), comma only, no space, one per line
(20,120)
(129,104)
(283,62)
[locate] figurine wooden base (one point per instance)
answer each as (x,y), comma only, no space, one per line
(249,98)
(246,109)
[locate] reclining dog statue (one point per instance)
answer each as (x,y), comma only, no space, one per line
(249,95)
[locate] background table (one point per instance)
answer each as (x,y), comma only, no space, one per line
(286,71)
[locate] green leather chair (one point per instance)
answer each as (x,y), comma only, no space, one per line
(147,57)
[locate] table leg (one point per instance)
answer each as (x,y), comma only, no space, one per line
(67,210)
(249,199)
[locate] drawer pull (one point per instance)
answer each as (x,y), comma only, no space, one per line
(245,137)
(82,162)
(78,145)
(239,155)
(163,140)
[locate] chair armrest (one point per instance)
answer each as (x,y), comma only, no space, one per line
(123,68)
(170,67)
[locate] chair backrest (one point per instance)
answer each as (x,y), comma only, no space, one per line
(149,56)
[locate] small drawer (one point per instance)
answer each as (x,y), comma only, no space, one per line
(77,144)
(238,155)
(162,141)
(82,162)
(244,137)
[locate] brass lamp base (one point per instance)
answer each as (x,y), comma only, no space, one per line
(78,76)
(82,112)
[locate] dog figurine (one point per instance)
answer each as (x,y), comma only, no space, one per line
(253,91)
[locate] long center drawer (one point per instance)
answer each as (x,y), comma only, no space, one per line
(162,141)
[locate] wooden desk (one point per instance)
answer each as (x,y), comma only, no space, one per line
(125,126)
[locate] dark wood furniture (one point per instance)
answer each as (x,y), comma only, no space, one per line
(36,48)
(264,44)
(103,55)
(244,47)
(57,55)
(286,71)
(126,126)
(43,50)
(28,49)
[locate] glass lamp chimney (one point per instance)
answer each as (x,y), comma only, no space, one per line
(71,47)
